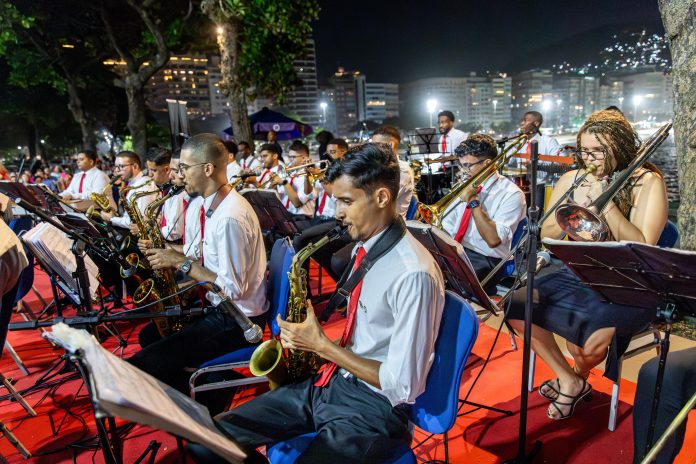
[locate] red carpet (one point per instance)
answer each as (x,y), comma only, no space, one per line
(480,437)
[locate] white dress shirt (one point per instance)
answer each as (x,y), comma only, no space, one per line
(547,145)
(249,163)
(326,204)
(140,183)
(233,170)
(265,175)
(172,222)
(94,181)
(398,318)
(192,227)
(233,249)
(406,187)
(13,259)
(504,203)
(307,199)
(452,140)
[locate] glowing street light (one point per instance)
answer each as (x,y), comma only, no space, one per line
(637,99)
(219,30)
(323,106)
(546,105)
(495,106)
(431,104)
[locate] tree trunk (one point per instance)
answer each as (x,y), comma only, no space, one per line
(136,117)
(230,86)
(679,19)
(89,140)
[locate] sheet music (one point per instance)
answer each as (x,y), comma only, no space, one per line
(123,390)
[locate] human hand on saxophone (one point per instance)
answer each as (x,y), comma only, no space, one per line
(163,258)
(305,336)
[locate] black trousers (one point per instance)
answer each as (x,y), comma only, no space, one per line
(174,358)
(483,265)
(6,305)
(353,423)
(678,387)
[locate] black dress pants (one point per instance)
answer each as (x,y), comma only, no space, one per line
(353,423)
(678,386)
(483,265)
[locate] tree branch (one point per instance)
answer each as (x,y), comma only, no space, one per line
(162,55)
(123,53)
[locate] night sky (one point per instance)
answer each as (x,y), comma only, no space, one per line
(398,41)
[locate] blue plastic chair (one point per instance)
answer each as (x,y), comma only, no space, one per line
(510,266)
(669,236)
(435,410)
(412,208)
(278,291)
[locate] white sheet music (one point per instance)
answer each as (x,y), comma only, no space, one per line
(123,390)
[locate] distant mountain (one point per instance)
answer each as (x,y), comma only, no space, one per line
(581,48)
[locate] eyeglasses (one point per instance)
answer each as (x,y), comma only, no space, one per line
(121,166)
(595,154)
(182,168)
(468,166)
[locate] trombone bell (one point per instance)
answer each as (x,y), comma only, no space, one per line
(581,224)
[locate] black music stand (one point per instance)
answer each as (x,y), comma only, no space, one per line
(423,143)
(639,275)
(273,216)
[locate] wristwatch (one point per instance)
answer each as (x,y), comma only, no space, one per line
(186,266)
(473,204)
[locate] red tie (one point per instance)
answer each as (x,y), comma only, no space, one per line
(82,181)
(330,368)
(322,202)
(244,164)
(263,176)
(444,144)
(202,222)
(464,224)
(183,236)
(163,222)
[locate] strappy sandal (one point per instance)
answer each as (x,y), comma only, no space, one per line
(552,391)
(585,393)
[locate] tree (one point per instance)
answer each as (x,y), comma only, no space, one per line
(679,19)
(258,41)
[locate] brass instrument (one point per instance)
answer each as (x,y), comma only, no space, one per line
(101,200)
(132,210)
(162,283)
(433,214)
(585,224)
(322,166)
(270,359)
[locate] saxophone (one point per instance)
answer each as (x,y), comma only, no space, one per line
(162,283)
(270,359)
(130,207)
(101,200)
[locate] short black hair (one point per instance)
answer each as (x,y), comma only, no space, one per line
(131,155)
(447,113)
(244,143)
(231,147)
(371,165)
(209,145)
(159,156)
(614,108)
(391,131)
(299,146)
(339,143)
(89,154)
(269,147)
(537,115)
(478,145)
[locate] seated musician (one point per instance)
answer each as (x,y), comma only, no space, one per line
(484,220)
(356,404)
(593,329)
(247,160)
(233,167)
(391,136)
(129,166)
(232,255)
(530,124)
(270,159)
(297,192)
(89,180)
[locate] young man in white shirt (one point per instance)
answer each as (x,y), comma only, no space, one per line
(247,160)
(484,220)
(356,404)
(297,192)
(89,180)
(270,164)
(530,124)
(233,168)
(232,255)
(392,137)
(450,137)
(159,170)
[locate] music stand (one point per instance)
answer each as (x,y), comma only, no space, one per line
(273,216)
(638,275)
(422,142)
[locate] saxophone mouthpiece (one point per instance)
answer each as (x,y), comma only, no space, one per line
(337,232)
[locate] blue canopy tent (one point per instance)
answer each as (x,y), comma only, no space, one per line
(266,120)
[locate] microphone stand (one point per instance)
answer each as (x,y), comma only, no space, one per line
(533,228)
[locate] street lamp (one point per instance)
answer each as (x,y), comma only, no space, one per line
(636,101)
(495,105)
(323,106)
(431,104)
(546,105)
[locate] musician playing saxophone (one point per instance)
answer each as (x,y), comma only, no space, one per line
(232,255)
(355,404)
(484,221)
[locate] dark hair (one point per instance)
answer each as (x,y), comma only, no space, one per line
(323,137)
(131,155)
(448,114)
(231,147)
(478,145)
(89,154)
(159,156)
(244,143)
(537,115)
(176,154)
(269,147)
(339,143)
(370,165)
(391,131)
(299,146)
(209,145)
(614,108)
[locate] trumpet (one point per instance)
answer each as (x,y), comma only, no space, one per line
(315,171)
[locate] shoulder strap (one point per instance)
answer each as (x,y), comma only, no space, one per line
(346,284)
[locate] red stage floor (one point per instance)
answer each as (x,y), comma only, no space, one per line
(480,437)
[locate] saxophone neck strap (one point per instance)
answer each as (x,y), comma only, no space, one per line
(348,281)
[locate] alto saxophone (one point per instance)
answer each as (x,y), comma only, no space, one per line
(270,359)
(101,200)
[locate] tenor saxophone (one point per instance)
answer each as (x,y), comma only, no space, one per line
(270,359)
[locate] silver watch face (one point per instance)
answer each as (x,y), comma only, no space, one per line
(186,267)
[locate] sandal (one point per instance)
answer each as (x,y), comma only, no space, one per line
(553,388)
(585,393)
